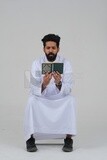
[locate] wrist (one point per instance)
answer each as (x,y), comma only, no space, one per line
(58,83)
(43,85)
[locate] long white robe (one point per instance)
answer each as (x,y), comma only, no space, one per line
(51,113)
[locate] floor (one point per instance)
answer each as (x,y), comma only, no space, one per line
(12,147)
(12,144)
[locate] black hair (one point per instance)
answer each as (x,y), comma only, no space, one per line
(51,37)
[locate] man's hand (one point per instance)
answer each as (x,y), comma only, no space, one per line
(46,79)
(57,77)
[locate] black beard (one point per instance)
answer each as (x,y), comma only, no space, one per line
(51,56)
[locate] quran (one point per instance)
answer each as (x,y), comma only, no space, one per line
(51,67)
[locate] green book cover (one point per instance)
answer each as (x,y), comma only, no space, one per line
(51,67)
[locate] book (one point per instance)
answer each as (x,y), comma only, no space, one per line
(51,67)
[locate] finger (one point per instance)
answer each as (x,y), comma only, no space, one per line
(53,72)
(55,75)
(47,73)
(48,76)
(50,73)
(58,73)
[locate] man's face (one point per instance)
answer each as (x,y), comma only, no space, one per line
(51,50)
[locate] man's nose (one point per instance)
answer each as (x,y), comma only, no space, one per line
(50,50)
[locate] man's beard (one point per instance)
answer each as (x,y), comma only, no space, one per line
(51,56)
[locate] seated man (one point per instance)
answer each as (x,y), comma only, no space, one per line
(50,110)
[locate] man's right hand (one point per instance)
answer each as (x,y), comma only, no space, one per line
(46,79)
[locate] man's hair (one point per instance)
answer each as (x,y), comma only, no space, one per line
(51,37)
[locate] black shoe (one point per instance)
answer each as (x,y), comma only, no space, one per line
(30,145)
(68,145)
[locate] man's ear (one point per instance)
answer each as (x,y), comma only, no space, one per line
(44,49)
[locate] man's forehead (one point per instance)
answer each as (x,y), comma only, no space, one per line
(51,43)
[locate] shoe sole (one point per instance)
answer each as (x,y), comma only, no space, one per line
(67,150)
(32,149)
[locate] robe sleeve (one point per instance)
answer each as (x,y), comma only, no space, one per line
(67,81)
(35,79)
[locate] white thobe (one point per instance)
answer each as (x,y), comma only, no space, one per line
(51,113)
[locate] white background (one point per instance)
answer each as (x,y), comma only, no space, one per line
(82,26)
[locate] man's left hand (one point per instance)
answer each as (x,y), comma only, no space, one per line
(57,77)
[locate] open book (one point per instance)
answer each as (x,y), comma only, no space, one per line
(51,67)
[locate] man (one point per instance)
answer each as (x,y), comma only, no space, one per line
(50,111)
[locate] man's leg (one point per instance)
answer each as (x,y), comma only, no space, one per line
(68,144)
(30,144)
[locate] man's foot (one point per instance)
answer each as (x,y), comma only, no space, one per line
(68,145)
(30,145)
